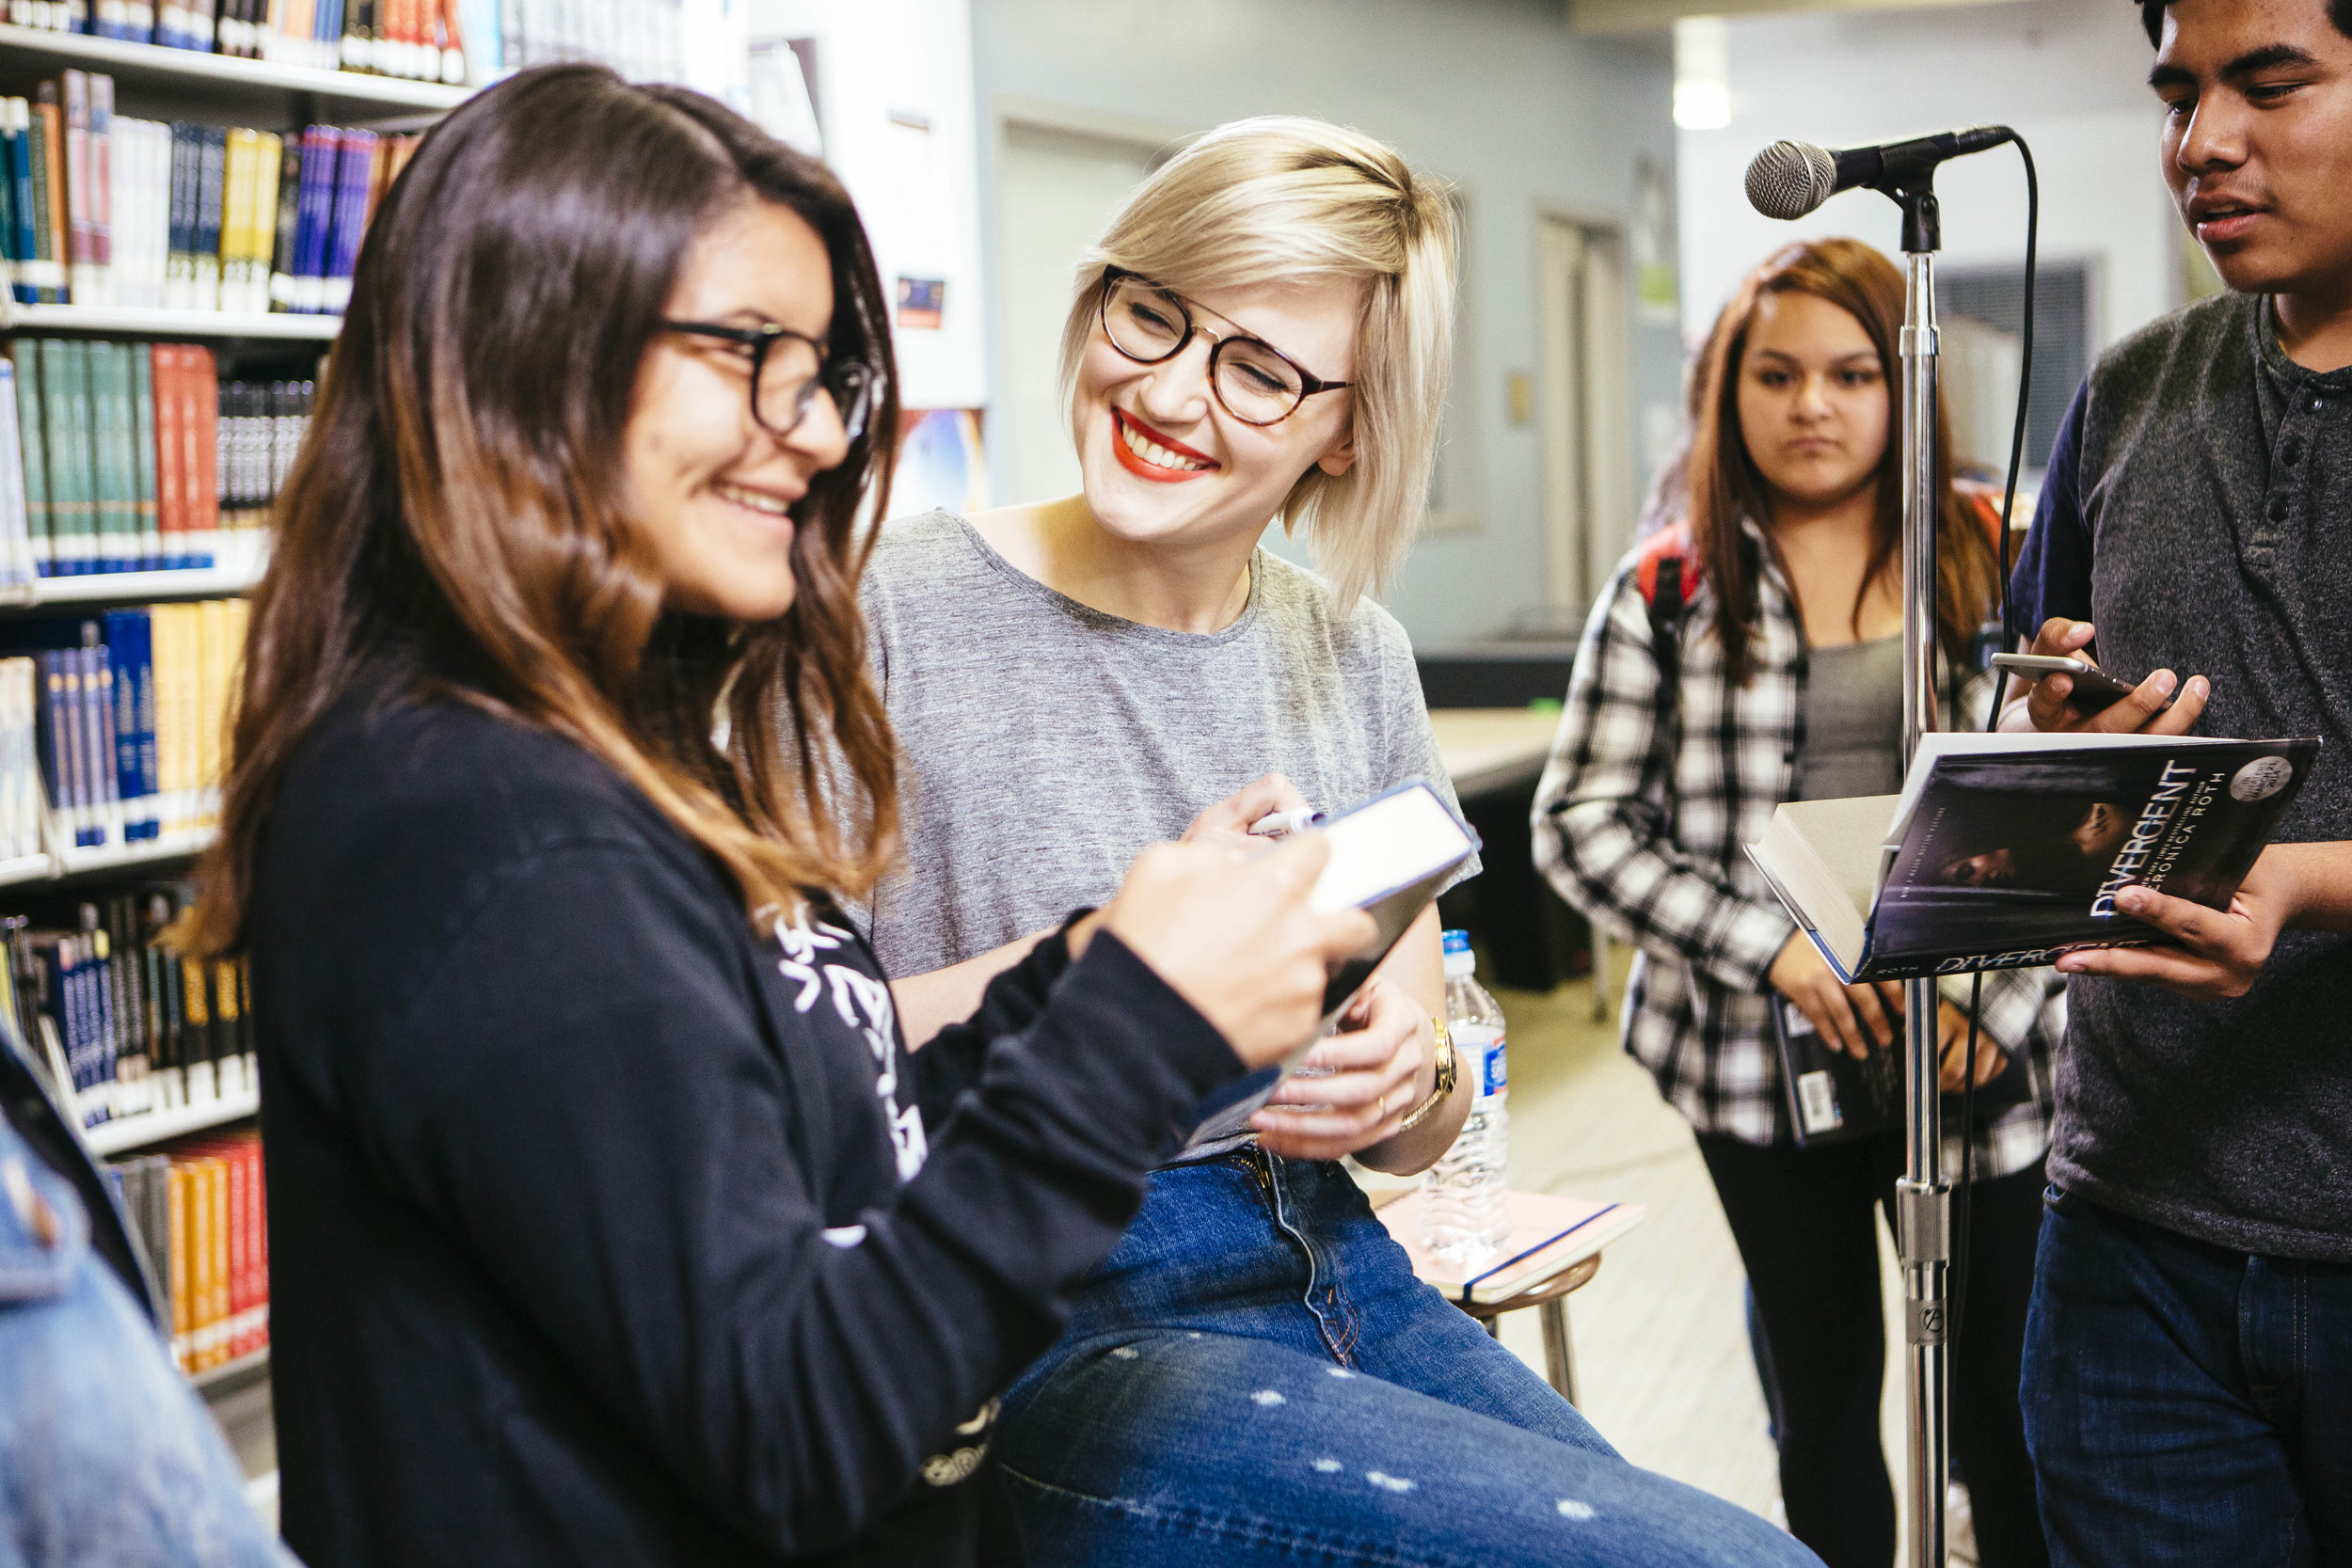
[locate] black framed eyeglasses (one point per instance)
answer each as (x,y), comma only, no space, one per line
(1255,382)
(788,368)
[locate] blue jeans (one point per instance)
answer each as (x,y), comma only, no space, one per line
(1256,1376)
(2187,1405)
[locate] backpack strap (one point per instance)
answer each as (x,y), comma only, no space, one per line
(1665,573)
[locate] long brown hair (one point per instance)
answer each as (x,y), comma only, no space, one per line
(460,494)
(1725,485)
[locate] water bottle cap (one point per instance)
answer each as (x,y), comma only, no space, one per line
(1456,941)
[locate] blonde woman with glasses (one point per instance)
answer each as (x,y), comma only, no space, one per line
(1262,334)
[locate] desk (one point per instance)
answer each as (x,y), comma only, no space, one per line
(1492,748)
(1495,755)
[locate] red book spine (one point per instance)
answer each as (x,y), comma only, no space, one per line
(203,381)
(163,381)
(240,1270)
(261,1244)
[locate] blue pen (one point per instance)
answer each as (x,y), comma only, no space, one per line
(1281,824)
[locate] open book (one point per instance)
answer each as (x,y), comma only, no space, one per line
(1389,857)
(2004,850)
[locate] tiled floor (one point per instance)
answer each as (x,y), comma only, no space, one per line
(1660,1346)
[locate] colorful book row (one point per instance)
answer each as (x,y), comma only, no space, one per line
(201,1214)
(120,458)
(421,41)
(129,711)
(136,1027)
(103,210)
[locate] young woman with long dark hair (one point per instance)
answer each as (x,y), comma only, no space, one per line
(1751,654)
(610,1222)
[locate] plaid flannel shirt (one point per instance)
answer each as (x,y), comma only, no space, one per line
(1644,828)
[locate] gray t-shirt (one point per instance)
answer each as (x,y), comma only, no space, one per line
(1046,743)
(1854,721)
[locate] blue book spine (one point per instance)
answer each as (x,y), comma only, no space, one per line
(131,651)
(211,181)
(98,729)
(20,173)
(9,251)
(73,753)
(109,1043)
(355,168)
(49,688)
(321,144)
(86,1026)
(180,204)
(57,967)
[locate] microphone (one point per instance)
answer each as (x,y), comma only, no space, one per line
(1789,179)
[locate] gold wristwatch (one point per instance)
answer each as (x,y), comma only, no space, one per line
(1446,1075)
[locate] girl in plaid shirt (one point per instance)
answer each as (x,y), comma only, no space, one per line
(1748,656)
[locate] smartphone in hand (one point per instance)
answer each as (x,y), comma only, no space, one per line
(2095,691)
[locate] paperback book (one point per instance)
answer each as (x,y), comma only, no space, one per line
(1389,856)
(2004,850)
(1549,1236)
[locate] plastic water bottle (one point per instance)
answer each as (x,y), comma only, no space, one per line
(1463,1214)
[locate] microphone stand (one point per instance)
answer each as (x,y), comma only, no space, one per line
(1923,1198)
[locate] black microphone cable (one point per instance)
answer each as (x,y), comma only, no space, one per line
(1991,720)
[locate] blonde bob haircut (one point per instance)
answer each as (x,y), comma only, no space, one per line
(1301,201)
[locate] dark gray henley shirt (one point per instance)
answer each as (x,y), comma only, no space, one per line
(2198,509)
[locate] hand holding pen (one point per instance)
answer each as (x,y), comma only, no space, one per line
(1244,820)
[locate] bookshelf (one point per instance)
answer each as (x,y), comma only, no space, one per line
(186,71)
(202,582)
(125,1134)
(248,352)
(134,321)
(249,1368)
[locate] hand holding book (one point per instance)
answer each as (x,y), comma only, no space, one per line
(1238,937)
(2215,953)
(1863,1020)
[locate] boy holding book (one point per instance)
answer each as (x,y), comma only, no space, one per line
(2188,1371)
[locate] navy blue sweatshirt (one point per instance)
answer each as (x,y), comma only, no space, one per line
(607,1230)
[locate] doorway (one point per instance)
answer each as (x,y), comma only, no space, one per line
(1056,186)
(1585,379)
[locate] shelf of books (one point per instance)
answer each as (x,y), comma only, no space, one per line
(198,1212)
(160,65)
(144,1128)
(158,321)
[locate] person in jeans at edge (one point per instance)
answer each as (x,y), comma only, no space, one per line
(607,1222)
(1778,677)
(108,1458)
(2188,1374)
(1254,1375)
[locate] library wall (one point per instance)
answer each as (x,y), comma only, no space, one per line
(2071,75)
(1495,95)
(890,90)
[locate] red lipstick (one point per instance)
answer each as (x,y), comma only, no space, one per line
(1120,422)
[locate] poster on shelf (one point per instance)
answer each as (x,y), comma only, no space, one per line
(922,302)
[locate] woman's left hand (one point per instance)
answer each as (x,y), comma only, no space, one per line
(1952,1042)
(1379,1068)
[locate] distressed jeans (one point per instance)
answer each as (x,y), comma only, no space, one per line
(2186,1404)
(1254,1375)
